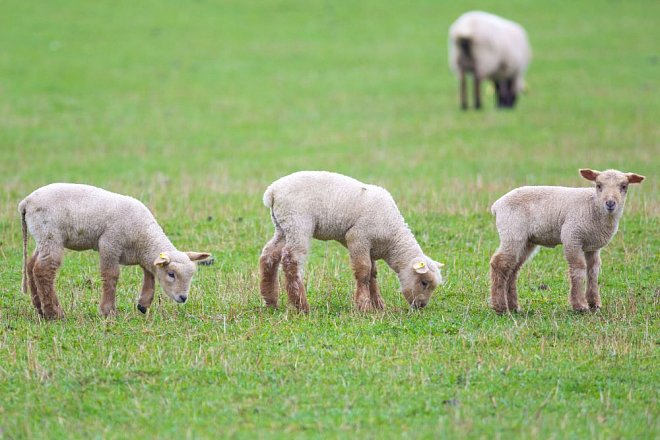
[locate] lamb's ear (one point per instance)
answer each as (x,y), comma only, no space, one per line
(634,178)
(420,266)
(162,260)
(589,174)
(198,256)
(440,265)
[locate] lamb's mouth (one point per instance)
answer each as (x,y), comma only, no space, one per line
(180,298)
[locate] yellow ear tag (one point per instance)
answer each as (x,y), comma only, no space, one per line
(419,265)
(163,256)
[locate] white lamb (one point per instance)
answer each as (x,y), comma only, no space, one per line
(364,218)
(489,47)
(582,219)
(121,228)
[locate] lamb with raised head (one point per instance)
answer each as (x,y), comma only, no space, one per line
(584,220)
(121,228)
(364,218)
(489,47)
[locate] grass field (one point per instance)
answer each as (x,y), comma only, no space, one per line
(195,107)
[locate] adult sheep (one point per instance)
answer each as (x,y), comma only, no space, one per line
(364,218)
(121,228)
(489,47)
(584,220)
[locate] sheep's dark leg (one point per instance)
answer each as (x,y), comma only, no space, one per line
(512,93)
(593,269)
(498,93)
(32,285)
(374,292)
(577,265)
(464,103)
(44,270)
(109,276)
(268,265)
(148,290)
(477,92)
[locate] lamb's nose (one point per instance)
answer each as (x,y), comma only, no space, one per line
(610,204)
(183,298)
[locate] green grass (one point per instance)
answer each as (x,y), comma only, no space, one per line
(196,107)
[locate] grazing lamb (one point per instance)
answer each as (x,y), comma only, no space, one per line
(489,47)
(582,219)
(364,218)
(81,217)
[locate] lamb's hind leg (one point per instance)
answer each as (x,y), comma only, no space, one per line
(45,267)
(512,290)
(294,254)
(32,285)
(502,266)
(593,269)
(376,300)
(269,262)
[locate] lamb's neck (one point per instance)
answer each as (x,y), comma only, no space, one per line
(155,243)
(606,224)
(402,251)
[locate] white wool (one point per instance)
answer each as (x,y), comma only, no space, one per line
(121,228)
(500,47)
(326,206)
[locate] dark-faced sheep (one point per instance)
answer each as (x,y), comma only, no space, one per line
(489,47)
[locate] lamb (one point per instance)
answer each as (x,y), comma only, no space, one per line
(584,220)
(489,47)
(121,228)
(364,218)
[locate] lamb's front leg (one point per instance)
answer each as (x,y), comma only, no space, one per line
(374,292)
(147,293)
(593,269)
(577,266)
(361,263)
(110,276)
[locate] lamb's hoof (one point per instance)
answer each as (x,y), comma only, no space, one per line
(594,308)
(52,315)
(142,308)
(580,309)
(271,304)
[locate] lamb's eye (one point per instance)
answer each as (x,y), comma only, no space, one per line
(171,274)
(599,186)
(425,284)
(624,187)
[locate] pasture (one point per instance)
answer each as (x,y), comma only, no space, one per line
(195,107)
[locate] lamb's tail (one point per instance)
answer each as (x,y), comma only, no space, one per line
(21,209)
(268,197)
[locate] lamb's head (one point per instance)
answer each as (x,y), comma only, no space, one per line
(175,270)
(419,279)
(611,188)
